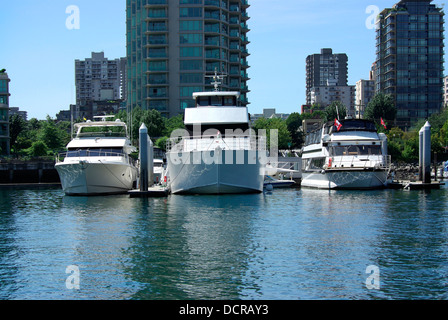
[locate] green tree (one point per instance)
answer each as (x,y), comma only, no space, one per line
(37,149)
(294,123)
(381,106)
(284,137)
(152,119)
(336,110)
(51,135)
(16,126)
(173,123)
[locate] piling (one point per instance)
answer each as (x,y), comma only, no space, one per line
(425,153)
(147,188)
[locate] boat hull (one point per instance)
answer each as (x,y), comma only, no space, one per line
(90,178)
(218,177)
(345,179)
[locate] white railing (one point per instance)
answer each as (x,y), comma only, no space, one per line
(207,143)
(83,154)
(378,161)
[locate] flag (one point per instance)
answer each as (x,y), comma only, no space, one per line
(383,124)
(337,124)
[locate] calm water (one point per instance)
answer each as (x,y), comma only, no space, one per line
(288,244)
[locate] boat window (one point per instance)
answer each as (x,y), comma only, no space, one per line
(95,152)
(229,101)
(103,131)
(362,150)
(352,125)
(317,163)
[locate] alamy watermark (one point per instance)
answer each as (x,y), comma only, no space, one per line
(373,280)
(73,21)
(372,21)
(74,279)
(242,147)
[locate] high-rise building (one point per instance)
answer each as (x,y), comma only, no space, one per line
(325,95)
(409,63)
(98,79)
(325,68)
(365,90)
(173,44)
(445,91)
(4,113)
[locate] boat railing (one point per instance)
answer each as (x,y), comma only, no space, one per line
(82,154)
(361,161)
(211,142)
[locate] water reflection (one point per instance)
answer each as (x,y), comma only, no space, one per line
(197,249)
(413,248)
(287,244)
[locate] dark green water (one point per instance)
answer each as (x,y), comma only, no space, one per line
(288,244)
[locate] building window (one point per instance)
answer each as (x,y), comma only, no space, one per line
(191,78)
(190,2)
(188,91)
(3,86)
(190,38)
(190,25)
(191,65)
(191,52)
(190,12)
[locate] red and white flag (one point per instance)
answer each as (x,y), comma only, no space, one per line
(383,124)
(337,124)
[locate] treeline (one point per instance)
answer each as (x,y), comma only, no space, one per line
(37,138)
(40,138)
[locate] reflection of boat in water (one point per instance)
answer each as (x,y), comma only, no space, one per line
(277,183)
(218,153)
(97,160)
(351,157)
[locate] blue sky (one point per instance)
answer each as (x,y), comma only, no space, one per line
(38,50)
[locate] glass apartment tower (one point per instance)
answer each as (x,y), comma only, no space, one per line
(173,44)
(409,63)
(4,114)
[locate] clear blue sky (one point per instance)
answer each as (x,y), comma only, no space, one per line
(38,50)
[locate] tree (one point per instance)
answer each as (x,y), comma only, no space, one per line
(51,135)
(37,149)
(293,123)
(284,137)
(336,110)
(152,119)
(16,125)
(381,106)
(173,123)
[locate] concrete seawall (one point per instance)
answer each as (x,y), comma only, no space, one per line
(17,172)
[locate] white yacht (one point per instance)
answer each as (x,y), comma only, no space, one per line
(97,160)
(346,154)
(218,153)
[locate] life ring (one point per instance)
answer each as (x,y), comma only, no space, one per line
(329,162)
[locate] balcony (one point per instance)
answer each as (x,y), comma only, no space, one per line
(156,3)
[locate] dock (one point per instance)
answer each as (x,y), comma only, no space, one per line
(415,185)
(152,192)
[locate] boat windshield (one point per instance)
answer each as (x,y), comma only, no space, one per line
(355,125)
(102,131)
(95,152)
(226,101)
(358,150)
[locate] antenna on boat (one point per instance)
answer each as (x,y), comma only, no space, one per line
(217,80)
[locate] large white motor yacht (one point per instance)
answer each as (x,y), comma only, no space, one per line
(97,160)
(346,154)
(218,153)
